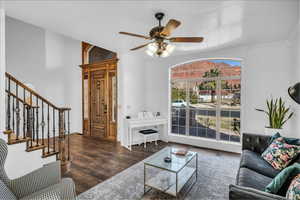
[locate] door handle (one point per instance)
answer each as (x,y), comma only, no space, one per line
(105,108)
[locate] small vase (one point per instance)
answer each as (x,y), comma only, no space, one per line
(272,131)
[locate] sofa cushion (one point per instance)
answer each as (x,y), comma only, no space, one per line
(294,141)
(279,154)
(281,182)
(294,189)
(249,178)
(254,161)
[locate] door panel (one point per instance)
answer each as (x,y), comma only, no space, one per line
(112,105)
(98,104)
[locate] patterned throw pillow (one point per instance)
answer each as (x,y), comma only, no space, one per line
(293,192)
(279,154)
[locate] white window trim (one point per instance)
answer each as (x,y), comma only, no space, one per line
(218,108)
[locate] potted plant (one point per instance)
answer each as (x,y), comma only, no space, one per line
(278,115)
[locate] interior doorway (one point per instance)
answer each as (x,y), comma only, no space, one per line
(99,91)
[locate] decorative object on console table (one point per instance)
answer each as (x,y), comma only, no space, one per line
(278,115)
(294,92)
(157,114)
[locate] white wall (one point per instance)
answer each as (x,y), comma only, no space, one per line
(19,162)
(49,62)
(2,69)
(131,87)
(267,70)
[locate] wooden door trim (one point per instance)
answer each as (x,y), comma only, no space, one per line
(110,66)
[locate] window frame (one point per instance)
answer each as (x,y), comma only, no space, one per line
(218,109)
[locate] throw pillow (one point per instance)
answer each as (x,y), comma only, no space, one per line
(293,192)
(282,178)
(279,154)
(293,141)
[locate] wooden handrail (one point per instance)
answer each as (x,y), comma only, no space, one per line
(32,122)
(33,92)
(21,100)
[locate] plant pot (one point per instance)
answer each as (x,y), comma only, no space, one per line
(272,131)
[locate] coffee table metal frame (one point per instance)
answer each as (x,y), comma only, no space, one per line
(177,192)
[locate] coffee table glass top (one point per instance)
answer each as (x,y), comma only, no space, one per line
(177,163)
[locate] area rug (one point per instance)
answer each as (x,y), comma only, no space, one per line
(216,170)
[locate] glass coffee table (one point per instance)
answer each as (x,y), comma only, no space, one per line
(171,177)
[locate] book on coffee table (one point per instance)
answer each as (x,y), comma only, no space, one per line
(180,152)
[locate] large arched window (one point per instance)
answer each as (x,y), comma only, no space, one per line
(206,99)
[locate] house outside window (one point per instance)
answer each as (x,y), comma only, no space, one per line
(206,99)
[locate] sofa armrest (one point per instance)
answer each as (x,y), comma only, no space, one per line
(39,179)
(245,193)
(5,192)
(65,190)
(255,142)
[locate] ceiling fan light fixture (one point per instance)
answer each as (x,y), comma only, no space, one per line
(170,48)
(164,54)
(150,53)
(153,47)
(160,38)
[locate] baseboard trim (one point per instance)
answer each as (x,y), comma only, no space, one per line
(206,143)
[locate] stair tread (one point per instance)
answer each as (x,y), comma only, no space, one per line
(14,140)
(7,132)
(50,153)
(35,146)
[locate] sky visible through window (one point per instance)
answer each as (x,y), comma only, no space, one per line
(227,61)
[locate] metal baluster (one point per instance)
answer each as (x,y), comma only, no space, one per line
(65,128)
(68,134)
(31,120)
(13,112)
(17,113)
(28,133)
(37,121)
(53,120)
(24,113)
(43,124)
(33,125)
(8,106)
(48,126)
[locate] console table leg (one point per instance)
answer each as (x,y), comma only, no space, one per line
(197,167)
(144,178)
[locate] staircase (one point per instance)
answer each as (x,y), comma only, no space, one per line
(33,120)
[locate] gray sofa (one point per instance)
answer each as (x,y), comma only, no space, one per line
(255,173)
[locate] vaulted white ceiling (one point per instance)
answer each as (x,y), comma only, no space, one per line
(221,23)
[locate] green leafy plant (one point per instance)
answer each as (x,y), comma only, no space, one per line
(277,112)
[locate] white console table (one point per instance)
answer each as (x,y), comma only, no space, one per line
(139,123)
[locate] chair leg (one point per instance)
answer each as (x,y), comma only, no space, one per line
(156,139)
(145,141)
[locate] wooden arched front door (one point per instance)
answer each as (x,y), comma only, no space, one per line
(99,91)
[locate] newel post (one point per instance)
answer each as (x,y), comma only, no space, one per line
(62,143)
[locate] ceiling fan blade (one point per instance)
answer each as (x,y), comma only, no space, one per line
(171,25)
(135,35)
(186,39)
(139,47)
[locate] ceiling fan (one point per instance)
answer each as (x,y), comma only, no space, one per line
(160,43)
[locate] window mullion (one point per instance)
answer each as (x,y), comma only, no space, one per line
(218,107)
(187,110)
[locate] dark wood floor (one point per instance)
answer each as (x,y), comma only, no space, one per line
(95,160)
